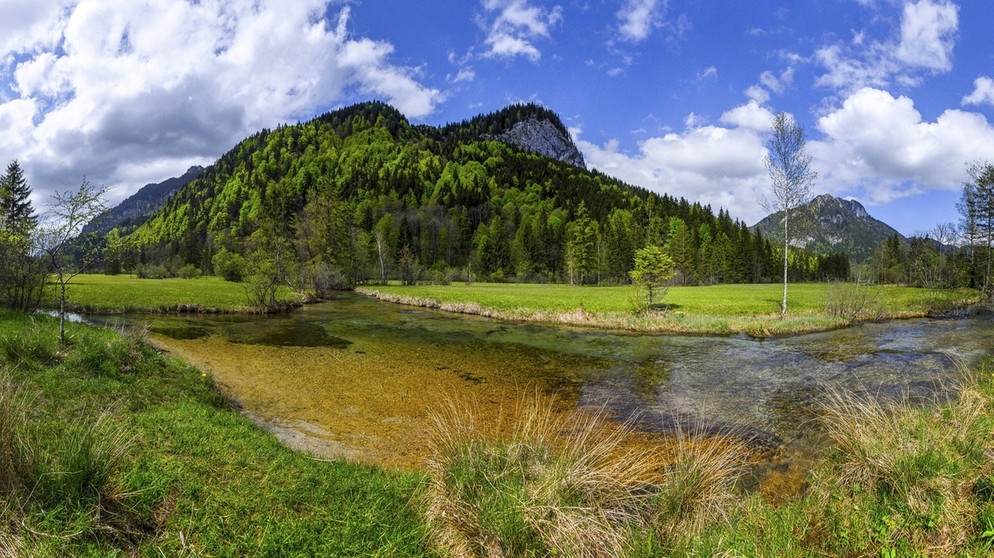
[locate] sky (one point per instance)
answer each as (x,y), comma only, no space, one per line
(895,96)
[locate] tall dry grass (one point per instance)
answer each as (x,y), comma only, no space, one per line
(906,470)
(541,480)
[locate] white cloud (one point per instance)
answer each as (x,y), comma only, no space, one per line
(716,165)
(983,92)
(709,73)
(752,116)
(515,27)
(927,38)
(879,145)
(121,91)
(927,32)
(873,146)
(638,18)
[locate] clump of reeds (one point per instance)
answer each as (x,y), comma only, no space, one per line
(904,471)
(700,484)
(539,480)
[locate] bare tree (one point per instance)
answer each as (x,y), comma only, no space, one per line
(791,179)
(70,212)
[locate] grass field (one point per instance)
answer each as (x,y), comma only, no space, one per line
(126,293)
(721,309)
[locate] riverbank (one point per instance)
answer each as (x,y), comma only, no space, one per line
(111,447)
(717,310)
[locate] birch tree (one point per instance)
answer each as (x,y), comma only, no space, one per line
(791,179)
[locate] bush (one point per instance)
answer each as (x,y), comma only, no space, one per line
(230,266)
(148,271)
(189,271)
(534,482)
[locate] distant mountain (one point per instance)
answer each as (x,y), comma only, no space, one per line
(834,225)
(141,205)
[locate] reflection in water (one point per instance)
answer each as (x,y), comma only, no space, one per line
(358,377)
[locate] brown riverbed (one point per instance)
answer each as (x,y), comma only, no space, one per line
(369,402)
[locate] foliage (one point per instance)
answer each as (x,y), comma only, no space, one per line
(351,189)
(791,179)
(977,210)
(651,270)
(22,273)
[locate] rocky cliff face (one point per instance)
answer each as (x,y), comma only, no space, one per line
(141,204)
(544,138)
(830,224)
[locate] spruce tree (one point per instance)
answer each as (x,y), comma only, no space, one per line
(16,213)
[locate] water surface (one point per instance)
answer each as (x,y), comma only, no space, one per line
(357,377)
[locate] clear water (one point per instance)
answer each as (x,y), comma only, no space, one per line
(357,374)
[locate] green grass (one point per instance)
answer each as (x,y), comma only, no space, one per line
(130,451)
(112,448)
(127,293)
(719,309)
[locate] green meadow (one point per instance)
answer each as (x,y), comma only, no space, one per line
(721,309)
(127,293)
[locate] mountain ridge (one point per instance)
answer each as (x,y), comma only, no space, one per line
(831,224)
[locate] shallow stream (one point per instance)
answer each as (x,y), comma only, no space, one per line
(356,377)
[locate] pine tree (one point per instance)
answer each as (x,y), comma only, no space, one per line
(16,213)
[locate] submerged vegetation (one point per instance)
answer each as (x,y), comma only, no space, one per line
(109,446)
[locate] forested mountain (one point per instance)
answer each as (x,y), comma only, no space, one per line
(830,224)
(359,194)
(141,205)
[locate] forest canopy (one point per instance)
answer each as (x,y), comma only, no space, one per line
(359,195)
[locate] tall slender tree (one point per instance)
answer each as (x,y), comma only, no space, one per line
(22,275)
(16,213)
(791,179)
(71,211)
(977,209)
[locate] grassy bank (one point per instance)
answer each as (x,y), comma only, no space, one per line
(123,450)
(98,293)
(720,309)
(108,447)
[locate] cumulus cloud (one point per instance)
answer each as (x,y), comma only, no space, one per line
(983,92)
(925,44)
(638,18)
(717,165)
(130,93)
(880,146)
(515,26)
(873,145)
(927,33)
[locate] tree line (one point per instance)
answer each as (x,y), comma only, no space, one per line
(359,195)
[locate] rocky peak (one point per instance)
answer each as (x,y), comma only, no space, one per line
(830,224)
(542,137)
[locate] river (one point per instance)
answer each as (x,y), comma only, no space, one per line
(357,378)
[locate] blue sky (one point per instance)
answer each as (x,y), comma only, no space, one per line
(895,96)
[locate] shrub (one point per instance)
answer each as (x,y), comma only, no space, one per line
(189,271)
(229,265)
(534,482)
